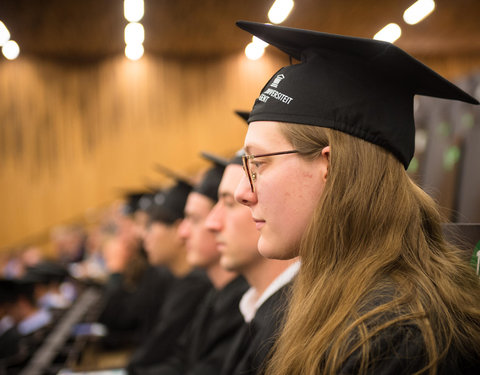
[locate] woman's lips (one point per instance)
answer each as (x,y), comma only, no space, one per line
(259,223)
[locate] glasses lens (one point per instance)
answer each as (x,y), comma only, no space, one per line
(246,168)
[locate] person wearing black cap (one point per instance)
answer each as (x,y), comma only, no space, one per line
(48,277)
(9,336)
(203,347)
(380,291)
(30,321)
(135,290)
(269,279)
(166,247)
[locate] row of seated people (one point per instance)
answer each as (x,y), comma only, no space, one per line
(202,304)
(30,306)
(207,302)
(188,292)
(172,297)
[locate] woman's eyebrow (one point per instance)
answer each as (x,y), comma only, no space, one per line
(249,149)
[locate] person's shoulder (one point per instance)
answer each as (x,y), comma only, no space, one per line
(160,274)
(197,275)
(228,298)
(237,285)
(396,349)
(275,305)
(196,281)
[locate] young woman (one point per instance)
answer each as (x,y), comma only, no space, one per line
(379,290)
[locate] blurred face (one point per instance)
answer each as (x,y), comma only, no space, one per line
(200,242)
(162,243)
(232,222)
(287,189)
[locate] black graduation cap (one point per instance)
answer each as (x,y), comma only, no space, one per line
(146,201)
(363,87)
(236,159)
(12,289)
(208,186)
(214,158)
(7,291)
(243,115)
(168,205)
(45,272)
(132,201)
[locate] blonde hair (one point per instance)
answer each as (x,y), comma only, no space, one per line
(373,258)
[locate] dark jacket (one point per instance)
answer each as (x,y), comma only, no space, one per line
(178,311)
(131,312)
(202,349)
(252,346)
(400,349)
(9,342)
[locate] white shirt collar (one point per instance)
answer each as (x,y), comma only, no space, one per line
(249,304)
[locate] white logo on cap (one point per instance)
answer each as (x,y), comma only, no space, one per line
(159,198)
(280,96)
(277,80)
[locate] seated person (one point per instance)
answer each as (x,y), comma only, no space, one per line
(166,247)
(135,289)
(203,346)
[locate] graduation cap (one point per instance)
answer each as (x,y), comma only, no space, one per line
(236,159)
(243,115)
(362,87)
(132,201)
(7,291)
(146,201)
(45,272)
(214,158)
(12,290)
(208,186)
(168,205)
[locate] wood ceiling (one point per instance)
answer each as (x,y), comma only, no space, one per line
(88,30)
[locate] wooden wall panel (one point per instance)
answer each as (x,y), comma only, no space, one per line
(72,135)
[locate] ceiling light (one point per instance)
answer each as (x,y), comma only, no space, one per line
(134,33)
(133,10)
(11,50)
(4,34)
(389,33)
(254,51)
(259,42)
(418,11)
(280,11)
(134,51)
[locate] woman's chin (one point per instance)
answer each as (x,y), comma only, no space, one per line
(271,250)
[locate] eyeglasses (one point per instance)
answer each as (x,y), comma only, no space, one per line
(249,167)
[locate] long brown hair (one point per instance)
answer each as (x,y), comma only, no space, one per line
(373,257)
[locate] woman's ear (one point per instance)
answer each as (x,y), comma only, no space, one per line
(326,160)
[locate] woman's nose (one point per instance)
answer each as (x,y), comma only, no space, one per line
(244,194)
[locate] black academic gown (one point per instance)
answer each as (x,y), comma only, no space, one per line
(399,350)
(27,346)
(253,343)
(130,313)
(9,343)
(180,307)
(202,349)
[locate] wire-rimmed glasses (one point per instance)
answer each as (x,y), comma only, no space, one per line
(249,167)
